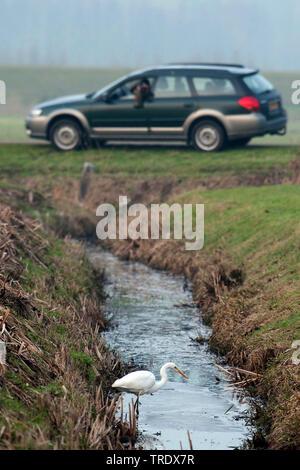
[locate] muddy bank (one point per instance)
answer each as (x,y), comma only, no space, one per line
(107,189)
(55,378)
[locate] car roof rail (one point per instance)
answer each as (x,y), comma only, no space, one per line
(216,64)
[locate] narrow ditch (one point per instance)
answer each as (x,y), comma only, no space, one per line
(154,322)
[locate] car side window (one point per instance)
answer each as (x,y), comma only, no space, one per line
(125,91)
(171,87)
(205,86)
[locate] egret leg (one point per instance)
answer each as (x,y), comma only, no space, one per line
(136,405)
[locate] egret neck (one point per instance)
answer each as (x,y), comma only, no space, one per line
(164,377)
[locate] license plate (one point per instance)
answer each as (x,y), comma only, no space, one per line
(273,106)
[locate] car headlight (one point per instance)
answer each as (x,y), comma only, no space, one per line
(35,112)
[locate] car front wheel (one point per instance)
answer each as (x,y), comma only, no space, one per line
(65,135)
(208,136)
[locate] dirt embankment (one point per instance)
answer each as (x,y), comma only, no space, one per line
(238,307)
(54,380)
(103,189)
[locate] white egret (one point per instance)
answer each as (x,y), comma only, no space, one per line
(143,382)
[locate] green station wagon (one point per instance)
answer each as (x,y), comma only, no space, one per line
(205,105)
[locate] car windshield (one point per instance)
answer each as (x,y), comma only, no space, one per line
(257,83)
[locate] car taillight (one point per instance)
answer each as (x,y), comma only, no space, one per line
(251,103)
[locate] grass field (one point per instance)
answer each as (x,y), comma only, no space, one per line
(265,243)
(19,161)
(27,86)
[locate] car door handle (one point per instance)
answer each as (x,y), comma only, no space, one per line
(188,105)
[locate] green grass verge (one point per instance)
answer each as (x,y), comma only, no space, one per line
(254,223)
(22,161)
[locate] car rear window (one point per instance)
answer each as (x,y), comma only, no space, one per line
(213,86)
(257,83)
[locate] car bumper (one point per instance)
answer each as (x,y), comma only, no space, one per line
(36,127)
(254,124)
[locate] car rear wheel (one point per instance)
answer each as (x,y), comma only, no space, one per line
(66,135)
(208,136)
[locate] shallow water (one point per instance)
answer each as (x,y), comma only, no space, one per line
(150,330)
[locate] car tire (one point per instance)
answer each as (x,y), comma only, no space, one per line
(66,135)
(208,136)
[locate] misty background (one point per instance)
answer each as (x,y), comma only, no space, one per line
(132,33)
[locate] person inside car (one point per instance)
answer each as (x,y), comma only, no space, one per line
(142,91)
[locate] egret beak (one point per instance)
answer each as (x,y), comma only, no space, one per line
(176,368)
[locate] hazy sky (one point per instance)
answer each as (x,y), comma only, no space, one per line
(132,33)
